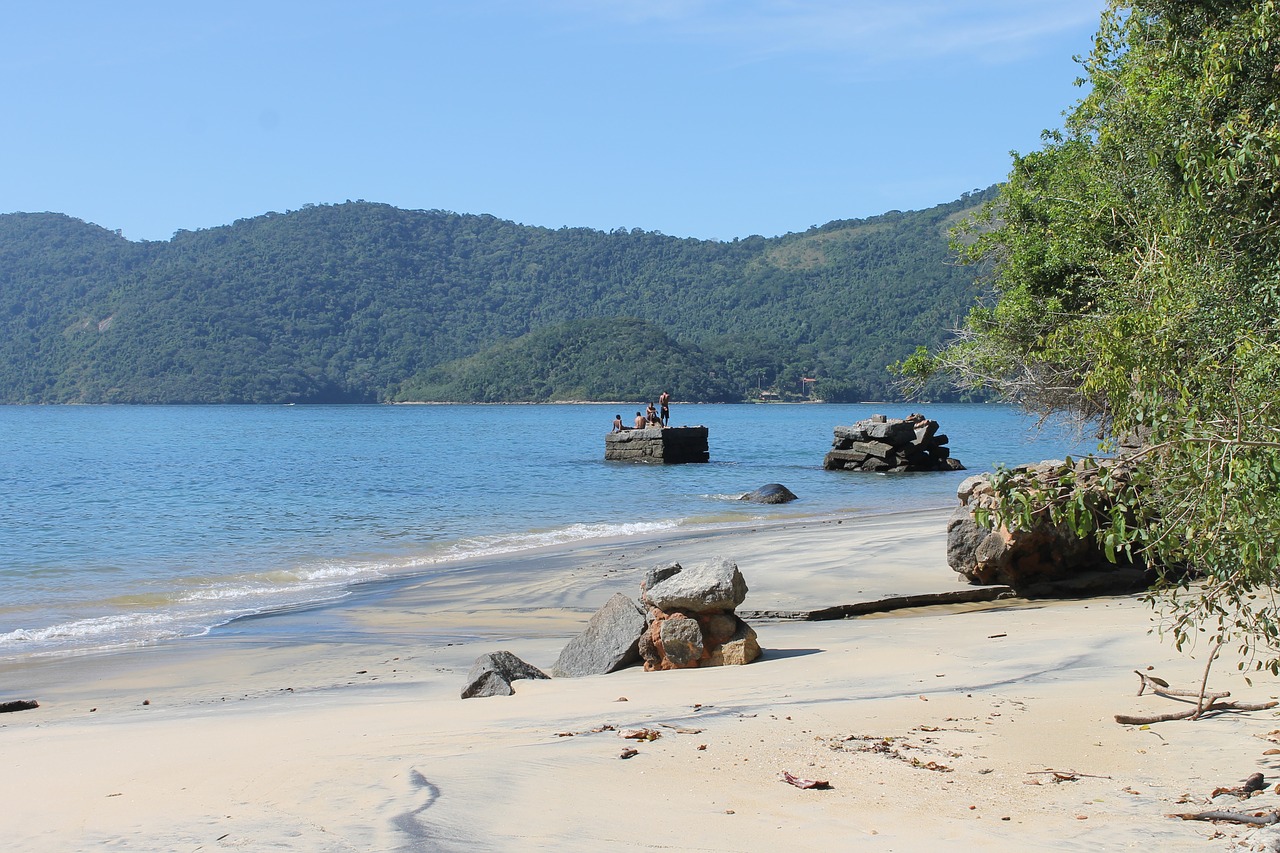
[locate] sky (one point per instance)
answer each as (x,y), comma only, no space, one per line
(712,119)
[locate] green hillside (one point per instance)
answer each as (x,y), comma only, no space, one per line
(366,302)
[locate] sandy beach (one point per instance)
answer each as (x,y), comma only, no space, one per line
(340,727)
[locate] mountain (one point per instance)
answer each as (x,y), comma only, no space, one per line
(362,302)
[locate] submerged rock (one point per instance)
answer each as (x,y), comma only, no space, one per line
(770,493)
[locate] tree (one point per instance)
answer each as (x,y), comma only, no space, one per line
(1135,265)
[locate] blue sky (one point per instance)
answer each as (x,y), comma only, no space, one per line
(703,118)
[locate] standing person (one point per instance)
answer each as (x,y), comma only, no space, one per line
(664,408)
(639,421)
(617,423)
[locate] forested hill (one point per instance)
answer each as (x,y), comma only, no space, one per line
(364,302)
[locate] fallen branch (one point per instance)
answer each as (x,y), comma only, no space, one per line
(1192,713)
(1206,701)
(884,605)
(1065,775)
(1256,819)
(1161,688)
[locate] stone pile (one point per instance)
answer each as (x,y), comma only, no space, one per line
(1046,560)
(880,444)
(687,620)
(692,620)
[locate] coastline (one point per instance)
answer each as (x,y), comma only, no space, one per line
(338,726)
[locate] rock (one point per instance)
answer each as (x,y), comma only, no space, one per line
(492,674)
(888,445)
(1045,561)
(770,493)
(659,573)
(714,585)
(739,650)
(610,641)
(680,640)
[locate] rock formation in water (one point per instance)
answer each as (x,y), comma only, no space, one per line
(890,445)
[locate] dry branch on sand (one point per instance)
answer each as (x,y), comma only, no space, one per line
(1206,701)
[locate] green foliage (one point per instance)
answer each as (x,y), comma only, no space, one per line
(348,302)
(1136,257)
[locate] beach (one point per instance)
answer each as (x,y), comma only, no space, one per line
(339,727)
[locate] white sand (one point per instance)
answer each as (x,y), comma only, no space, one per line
(340,728)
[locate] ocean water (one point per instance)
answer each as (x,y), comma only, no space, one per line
(126,525)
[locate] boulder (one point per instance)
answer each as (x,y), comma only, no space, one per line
(713,585)
(492,674)
(610,641)
(770,493)
(679,639)
(1046,560)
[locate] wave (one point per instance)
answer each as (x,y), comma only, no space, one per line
(194,606)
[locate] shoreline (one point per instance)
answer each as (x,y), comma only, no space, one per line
(339,727)
(487,550)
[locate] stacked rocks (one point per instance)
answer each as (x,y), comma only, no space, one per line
(881,444)
(692,620)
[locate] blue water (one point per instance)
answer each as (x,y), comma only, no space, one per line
(125,525)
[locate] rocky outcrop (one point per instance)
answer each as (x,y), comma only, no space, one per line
(691,617)
(492,674)
(669,445)
(889,445)
(770,493)
(1046,560)
(610,641)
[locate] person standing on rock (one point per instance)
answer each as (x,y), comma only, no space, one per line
(664,408)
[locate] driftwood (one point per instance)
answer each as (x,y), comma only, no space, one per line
(1206,701)
(18,705)
(884,605)
(1256,819)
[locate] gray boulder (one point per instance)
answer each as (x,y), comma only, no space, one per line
(492,674)
(770,493)
(713,585)
(610,641)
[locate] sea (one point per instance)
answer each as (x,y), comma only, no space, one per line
(127,525)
